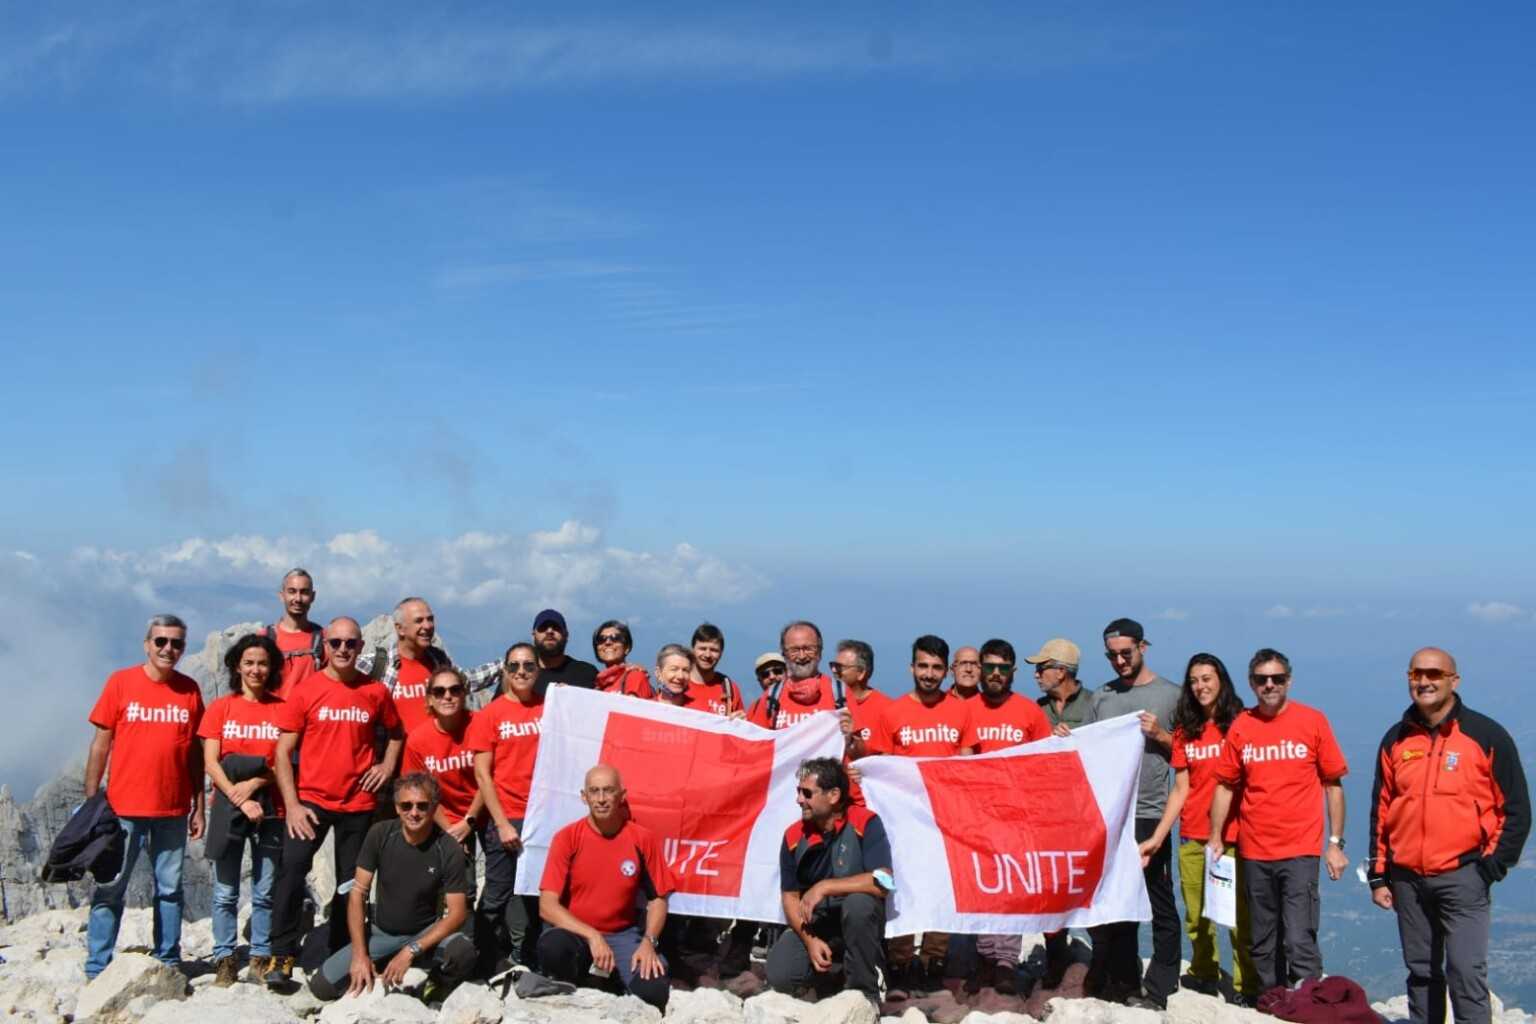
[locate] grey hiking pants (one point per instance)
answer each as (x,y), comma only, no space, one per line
(1444,918)
(1283,915)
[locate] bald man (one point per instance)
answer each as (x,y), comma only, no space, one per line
(967,673)
(1449,816)
(593,875)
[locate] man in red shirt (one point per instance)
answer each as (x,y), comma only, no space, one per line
(1283,755)
(301,641)
(923,723)
(146,723)
(1000,718)
(505,740)
(718,689)
(409,662)
(596,870)
(967,674)
(439,747)
(805,691)
(334,714)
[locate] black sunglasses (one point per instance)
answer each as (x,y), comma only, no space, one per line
(177,643)
(447,691)
(522,666)
(413,805)
(344,643)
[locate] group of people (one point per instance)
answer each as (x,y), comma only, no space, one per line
(384,749)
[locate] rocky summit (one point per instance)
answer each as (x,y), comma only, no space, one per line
(42,979)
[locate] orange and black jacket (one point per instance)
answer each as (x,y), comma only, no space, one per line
(1447,797)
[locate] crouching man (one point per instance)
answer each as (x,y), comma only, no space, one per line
(588,896)
(835,907)
(419,868)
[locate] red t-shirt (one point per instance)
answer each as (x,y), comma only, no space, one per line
(1014,721)
(713,696)
(691,699)
(509,729)
(911,728)
(336,724)
(410,693)
(246,727)
(866,714)
(626,680)
(154,733)
(298,658)
(791,710)
(599,878)
(1199,757)
(447,757)
(1282,763)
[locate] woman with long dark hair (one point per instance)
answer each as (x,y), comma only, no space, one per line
(240,733)
(1206,709)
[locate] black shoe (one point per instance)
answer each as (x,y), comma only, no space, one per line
(984,975)
(1147,1002)
(1005,979)
(933,975)
(1205,986)
(737,958)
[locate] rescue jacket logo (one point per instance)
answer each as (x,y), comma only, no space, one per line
(1452,760)
(1409,755)
(628,868)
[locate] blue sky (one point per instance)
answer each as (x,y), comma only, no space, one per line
(1004,320)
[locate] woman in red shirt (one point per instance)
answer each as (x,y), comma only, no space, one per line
(611,644)
(239,733)
(1206,710)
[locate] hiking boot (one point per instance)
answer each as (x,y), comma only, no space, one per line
(1005,980)
(279,977)
(1204,986)
(934,975)
(256,973)
(983,976)
(226,971)
(737,958)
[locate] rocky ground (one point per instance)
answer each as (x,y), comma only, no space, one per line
(42,979)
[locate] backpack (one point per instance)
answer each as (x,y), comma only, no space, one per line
(838,699)
(316,646)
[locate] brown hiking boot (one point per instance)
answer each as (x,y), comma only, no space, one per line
(280,974)
(256,973)
(227,971)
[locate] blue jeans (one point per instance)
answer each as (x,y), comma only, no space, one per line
(167,842)
(266,853)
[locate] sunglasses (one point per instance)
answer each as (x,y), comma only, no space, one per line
(610,638)
(1120,655)
(837,667)
(548,627)
(807,793)
(1271,679)
(447,691)
(1429,675)
(770,670)
(522,666)
(996,668)
(177,643)
(413,805)
(344,644)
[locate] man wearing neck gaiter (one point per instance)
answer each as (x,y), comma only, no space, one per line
(806,690)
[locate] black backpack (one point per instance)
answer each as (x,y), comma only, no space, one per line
(839,701)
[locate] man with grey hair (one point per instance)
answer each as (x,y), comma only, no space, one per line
(1066,702)
(146,742)
(301,640)
(806,690)
(406,665)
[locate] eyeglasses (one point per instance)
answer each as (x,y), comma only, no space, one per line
(340,643)
(1430,675)
(176,642)
(1270,679)
(413,805)
(967,664)
(522,666)
(1125,655)
(996,668)
(803,649)
(805,792)
(610,638)
(447,691)
(837,667)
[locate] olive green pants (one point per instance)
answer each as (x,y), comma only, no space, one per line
(1204,960)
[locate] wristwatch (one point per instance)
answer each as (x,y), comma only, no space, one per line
(1336,841)
(414,947)
(650,939)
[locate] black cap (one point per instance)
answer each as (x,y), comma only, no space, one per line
(1124,627)
(549,615)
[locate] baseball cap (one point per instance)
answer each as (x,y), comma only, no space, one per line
(547,616)
(1124,628)
(771,658)
(1057,649)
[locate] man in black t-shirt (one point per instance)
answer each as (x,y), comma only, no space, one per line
(555,666)
(834,868)
(419,867)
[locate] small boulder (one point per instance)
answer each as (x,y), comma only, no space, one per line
(470,1003)
(130,976)
(1097,1011)
(775,1008)
(245,1004)
(378,1005)
(703,1006)
(849,1006)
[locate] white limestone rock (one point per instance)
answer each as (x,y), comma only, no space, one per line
(378,1005)
(1186,1007)
(245,1004)
(1097,1011)
(1001,1017)
(775,1008)
(130,977)
(847,1007)
(628,1009)
(470,1003)
(703,1006)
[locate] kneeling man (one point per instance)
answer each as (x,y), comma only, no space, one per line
(419,867)
(594,872)
(828,868)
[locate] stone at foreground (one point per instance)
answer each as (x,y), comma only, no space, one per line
(1097,1011)
(847,1007)
(378,1006)
(238,1004)
(1186,1007)
(775,1008)
(470,1003)
(1396,1009)
(703,1006)
(1004,1017)
(128,978)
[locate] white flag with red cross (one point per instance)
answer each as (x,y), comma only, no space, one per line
(719,793)
(1028,839)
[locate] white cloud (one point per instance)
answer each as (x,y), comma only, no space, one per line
(1280,611)
(1495,612)
(1173,615)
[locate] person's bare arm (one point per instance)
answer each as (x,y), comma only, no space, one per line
(1333,857)
(96,760)
(457,910)
(1221,804)
(646,961)
(301,820)
(492,800)
(557,915)
(1176,800)
(361,969)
